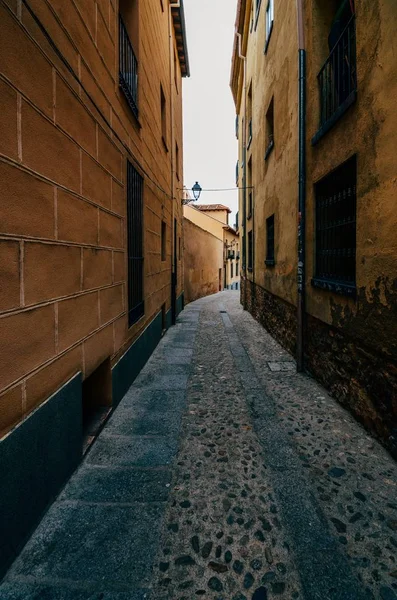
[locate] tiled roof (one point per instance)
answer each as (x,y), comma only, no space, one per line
(205,207)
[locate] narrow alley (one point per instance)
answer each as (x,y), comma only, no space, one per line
(223,474)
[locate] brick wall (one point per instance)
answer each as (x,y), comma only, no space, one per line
(67,132)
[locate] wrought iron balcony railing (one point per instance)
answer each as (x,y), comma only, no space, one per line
(338,79)
(128,69)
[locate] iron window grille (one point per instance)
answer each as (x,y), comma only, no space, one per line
(128,68)
(337,80)
(257,11)
(336,230)
(163,241)
(269,129)
(250,250)
(269,21)
(136,307)
(249,133)
(249,205)
(270,256)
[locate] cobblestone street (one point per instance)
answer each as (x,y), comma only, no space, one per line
(222,475)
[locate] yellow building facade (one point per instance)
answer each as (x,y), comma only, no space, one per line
(347,221)
(91,171)
(210,251)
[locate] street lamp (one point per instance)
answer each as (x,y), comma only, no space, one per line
(196,189)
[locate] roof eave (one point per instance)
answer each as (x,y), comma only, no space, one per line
(178,17)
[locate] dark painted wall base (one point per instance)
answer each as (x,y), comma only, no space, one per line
(359,377)
(277,316)
(36,459)
(132,362)
(180,303)
(40,455)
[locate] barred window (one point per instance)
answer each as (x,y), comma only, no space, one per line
(136,307)
(270,241)
(250,250)
(128,68)
(336,229)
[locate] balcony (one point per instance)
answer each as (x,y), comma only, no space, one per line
(238,255)
(128,69)
(338,80)
(230,255)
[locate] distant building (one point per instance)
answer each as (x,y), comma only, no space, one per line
(348,222)
(91,155)
(210,251)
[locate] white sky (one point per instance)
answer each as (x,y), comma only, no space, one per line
(210,145)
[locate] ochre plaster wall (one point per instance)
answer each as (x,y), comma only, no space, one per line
(232,243)
(203,255)
(350,343)
(204,220)
(63,152)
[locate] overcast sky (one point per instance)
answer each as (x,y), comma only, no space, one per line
(210,146)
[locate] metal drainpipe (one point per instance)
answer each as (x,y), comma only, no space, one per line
(173,237)
(302,191)
(244,219)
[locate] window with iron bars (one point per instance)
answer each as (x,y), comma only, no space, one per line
(249,215)
(128,68)
(336,230)
(337,78)
(270,260)
(269,21)
(136,308)
(250,250)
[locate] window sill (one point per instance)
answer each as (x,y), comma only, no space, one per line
(164,143)
(268,39)
(270,262)
(343,289)
(340,111)
(269,150)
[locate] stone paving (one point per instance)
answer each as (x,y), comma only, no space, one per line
(223,475)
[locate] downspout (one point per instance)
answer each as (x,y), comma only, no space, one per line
(174,238)
(244,219)
(301,308)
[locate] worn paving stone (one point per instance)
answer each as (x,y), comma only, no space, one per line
(249,483)
(91,544)
(118,484)
(132,451)
(25,591)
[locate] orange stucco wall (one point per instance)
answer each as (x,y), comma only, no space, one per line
(66,137)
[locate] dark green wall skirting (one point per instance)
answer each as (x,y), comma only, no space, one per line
(133,361)
(169,319)
(36,459)
(180,303)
